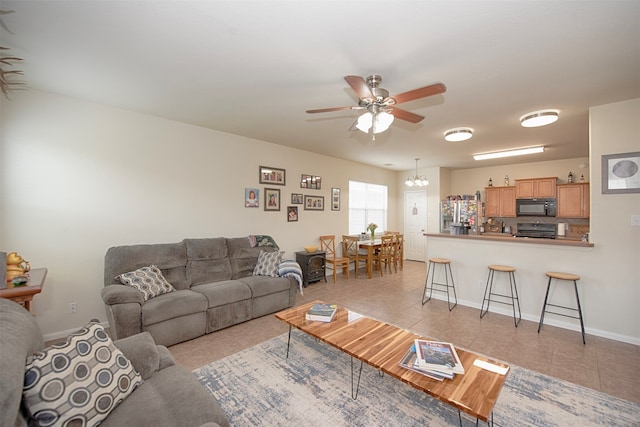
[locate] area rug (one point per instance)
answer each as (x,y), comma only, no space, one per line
(261,387)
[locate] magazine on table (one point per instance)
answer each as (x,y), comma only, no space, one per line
(322,312)
(438,356)
(408,361)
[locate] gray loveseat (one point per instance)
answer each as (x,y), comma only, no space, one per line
(169,395)
(214,282)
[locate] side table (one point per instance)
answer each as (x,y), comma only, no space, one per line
(312,265)
(24,294)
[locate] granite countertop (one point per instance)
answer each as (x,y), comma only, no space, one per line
(504,237)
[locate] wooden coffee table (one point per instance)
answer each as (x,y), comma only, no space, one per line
(382,346)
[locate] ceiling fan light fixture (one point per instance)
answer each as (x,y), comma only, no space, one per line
(539,118)
(417,180)
(382,122)
(509,153)
(458,134)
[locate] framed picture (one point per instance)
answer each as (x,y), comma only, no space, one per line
(292,213)
(251,198)
(271,199)
(335,199)
(275,176)
(297,199)
(621,173)
(310,181)
(313,203)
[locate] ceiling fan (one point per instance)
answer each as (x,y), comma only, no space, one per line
(381,108)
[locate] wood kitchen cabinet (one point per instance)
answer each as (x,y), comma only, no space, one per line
(536,188)
(573,200)
(500,202)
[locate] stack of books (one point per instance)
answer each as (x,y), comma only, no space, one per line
(322,312)
(435,359)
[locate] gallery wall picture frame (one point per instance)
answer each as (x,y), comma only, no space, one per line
(297,199)
(271,199)
(292,213)
(251,197)
(312,182)
(313,203)
(272,176)
(621,173)
(335,199)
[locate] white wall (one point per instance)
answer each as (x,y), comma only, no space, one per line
(78,178)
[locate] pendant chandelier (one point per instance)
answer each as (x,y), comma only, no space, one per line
(417,180)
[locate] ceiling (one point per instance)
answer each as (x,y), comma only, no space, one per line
(252,68)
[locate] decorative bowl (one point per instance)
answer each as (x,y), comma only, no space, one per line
(310,249)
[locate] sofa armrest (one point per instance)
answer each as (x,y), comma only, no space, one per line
(166,358)
(142,351)
(121,294)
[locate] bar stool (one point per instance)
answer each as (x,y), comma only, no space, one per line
(446,264)
(488,292)
(562,276)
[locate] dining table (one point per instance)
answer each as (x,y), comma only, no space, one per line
(370,246)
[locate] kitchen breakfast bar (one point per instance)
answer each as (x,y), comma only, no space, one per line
(471,256)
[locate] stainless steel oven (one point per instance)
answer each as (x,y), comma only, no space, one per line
(536,207)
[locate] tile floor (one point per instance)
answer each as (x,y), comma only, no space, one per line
(602,364)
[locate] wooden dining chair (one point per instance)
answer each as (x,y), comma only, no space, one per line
(328,245)
(384,255)
(350,250)
(398,253)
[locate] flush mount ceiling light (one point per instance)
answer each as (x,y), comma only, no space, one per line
(458,134)
(508,153)
(539,118)
(418,181)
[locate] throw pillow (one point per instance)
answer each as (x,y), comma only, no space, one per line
(148,280)
(267,264)
(79,381)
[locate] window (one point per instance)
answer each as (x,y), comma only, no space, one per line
(367,204)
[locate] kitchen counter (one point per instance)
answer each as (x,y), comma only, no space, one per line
(504,237)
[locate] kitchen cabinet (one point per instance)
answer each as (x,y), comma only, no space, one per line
(500,202)
(536,188)
(573,200)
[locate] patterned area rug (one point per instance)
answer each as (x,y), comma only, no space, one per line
(260,387)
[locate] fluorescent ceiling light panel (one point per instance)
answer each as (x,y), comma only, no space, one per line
(508,153)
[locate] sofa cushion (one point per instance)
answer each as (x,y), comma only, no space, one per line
(207,260)
(265,285)
(171,259)
(243,257)
(148,280)
(224,292)
(79,381)
(268,263)
(169,306)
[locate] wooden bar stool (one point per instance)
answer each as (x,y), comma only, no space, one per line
(430,286)
(562,276)
(489,294)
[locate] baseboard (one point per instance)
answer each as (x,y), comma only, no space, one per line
(54,336)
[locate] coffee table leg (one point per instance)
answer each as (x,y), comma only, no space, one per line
(288,341)
(354,393)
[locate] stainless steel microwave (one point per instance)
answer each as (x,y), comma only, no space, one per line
(536,207)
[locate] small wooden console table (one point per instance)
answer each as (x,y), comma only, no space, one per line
(24,294)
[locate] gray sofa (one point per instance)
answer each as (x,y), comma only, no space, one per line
(214,286)
(169,395)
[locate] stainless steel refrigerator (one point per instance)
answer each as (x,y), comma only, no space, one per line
(460,216)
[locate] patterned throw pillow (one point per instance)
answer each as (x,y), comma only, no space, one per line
(148,280)
(268,263)
(78,382)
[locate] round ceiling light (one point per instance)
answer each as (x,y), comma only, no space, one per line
(539,118)
(458,134)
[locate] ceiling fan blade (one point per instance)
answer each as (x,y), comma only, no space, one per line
(361,88)
(423,92)
(327,110)
(405,115)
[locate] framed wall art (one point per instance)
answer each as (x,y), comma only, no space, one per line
(335,199)
(292,213)
(621,173)
(297,199)
(271,199)
(310,181)
(251,198)
(313,203)
(275,176)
